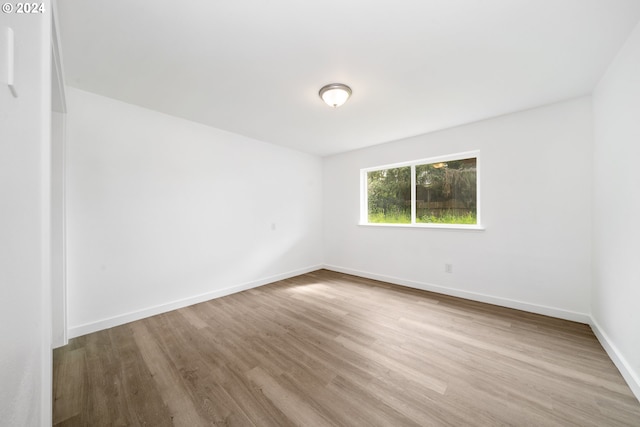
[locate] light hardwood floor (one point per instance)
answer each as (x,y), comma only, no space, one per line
(331,349)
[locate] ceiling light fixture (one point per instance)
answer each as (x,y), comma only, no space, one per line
(335,94)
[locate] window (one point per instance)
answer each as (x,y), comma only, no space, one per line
(436,192)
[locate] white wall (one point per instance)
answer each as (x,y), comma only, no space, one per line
(25,352)
(535,253)
(163,212)
(616,290)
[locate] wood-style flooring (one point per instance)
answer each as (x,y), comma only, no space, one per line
(328,349)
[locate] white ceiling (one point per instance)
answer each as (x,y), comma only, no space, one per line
(254,67)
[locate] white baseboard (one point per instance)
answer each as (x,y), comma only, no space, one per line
(504,302)
(121,319)
(630,376)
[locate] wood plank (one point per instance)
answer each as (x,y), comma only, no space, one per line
(68,387)
(173,392)
(291,404)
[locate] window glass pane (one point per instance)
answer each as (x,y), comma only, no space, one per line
(446,192)
(389,196)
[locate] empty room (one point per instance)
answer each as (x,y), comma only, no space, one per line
(248,213)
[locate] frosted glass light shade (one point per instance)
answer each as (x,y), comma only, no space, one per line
(335,94)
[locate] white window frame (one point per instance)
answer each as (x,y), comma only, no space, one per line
(364,202)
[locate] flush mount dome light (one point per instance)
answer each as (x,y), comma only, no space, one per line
(335,94)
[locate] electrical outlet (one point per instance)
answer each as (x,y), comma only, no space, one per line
(448,268)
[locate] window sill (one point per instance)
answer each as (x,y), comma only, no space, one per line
(473,227)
